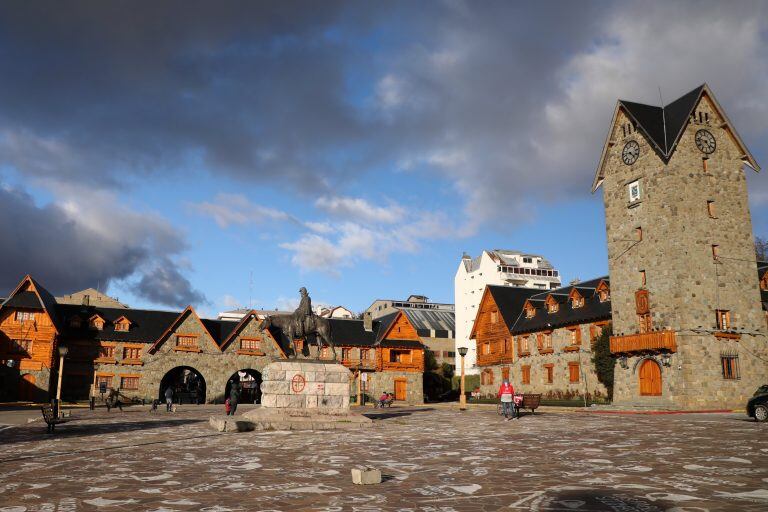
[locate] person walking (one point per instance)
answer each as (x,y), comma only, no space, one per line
(168,399)
(507,396)
(234,397)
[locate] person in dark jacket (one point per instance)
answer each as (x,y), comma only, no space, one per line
(168,399)
(234,397)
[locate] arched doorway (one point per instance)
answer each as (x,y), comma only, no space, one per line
(27,388)
(250,386)
(650,378)
(188,385)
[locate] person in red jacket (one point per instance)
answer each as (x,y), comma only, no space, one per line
(507,397)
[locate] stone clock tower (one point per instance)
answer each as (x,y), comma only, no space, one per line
(689,330)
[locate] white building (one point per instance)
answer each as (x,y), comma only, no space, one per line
(496,267)
(334,312)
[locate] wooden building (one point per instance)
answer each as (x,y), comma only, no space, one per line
(143,352)
(541,341)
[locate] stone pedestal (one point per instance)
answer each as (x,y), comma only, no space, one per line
(305,395)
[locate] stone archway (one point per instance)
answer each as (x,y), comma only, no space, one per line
(250,385)
(187,383)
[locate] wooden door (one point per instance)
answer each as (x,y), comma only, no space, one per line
(400,389)
(27,388)
(650,378)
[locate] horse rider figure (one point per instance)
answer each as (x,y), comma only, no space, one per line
(303,315)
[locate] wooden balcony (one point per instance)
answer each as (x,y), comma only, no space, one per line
(646,342)
(366,364)
(402,367)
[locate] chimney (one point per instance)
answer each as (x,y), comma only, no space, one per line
(368,321)
(86,300)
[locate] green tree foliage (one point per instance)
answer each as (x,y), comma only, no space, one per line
(603,359)
(430,363)
(447,371)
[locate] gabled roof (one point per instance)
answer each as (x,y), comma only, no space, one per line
(146,325)
(427,321)
(44,299)
(510,301)
(179,319)
(663,126)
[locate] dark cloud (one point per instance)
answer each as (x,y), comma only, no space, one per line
(67,249)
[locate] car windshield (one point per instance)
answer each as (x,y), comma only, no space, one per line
(762,390)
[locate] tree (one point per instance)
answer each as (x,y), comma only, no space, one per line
(430,363)
(603,359)
(447,371)
(761,249)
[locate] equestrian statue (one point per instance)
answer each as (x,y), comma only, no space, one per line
(301,324)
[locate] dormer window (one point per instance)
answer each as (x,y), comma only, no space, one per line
(603,292)
(122,324)
(577,302)
(552,305)
(96,322)
(530,312)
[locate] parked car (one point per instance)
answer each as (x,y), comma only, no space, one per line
(757,406)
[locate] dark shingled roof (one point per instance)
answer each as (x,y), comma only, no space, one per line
(26,300)
(219,329)
(664,125)
(510,300)
(351,332)
(146,325)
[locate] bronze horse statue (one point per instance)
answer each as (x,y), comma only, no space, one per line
(290,326)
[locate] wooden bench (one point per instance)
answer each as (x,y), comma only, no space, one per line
(530,401)
(50,419)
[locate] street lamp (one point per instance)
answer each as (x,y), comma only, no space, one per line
(63,349)
(462,396)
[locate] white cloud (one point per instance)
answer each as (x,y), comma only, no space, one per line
(236,209)
(359,210)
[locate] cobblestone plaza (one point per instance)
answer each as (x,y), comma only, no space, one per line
(431,460)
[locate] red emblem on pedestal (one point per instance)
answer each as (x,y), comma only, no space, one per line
(297,383)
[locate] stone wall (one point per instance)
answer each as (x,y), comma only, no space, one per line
(379,382)
(685,283)
(306,385)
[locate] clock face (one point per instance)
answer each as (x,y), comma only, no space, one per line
(705,141)
(630,153)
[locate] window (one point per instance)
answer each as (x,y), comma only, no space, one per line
(723,319)
(527,260)
(399,356)
(634,191)
(186,341)
(730,364)
(550,372)
(595,331)
(577,302)
(645,322)
(576,336)
(494,317)
(486,348)
(715,251)
(711,209)
(25,316)
(507,347)
(642,278)
(96,323)
(250,344)
(106,379)
(107,351)
(639,233)
(573,372)
(486,377)
(505,373)
(131,353)
(324,353)
(603,294)
(553,306)
(524,346)
(530,312)
(365,354)
(20,346)
(345,354)
(526,370)
(547,340)
(122,326)
(131,383)
(447,353)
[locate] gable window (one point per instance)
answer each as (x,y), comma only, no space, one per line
(186,341)
(24,316)
(573,372)
(730,365)
(494,317)
(723,319)
(249,344)
(634,191)
(96,323)
(526,371)
(130,383)
(131,353)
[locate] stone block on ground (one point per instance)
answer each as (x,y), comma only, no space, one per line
(231,424)
(365,475)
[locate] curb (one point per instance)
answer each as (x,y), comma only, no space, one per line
(710,411)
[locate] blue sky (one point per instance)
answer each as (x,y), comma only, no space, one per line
(356,149)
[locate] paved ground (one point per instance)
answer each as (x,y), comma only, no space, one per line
(432,459)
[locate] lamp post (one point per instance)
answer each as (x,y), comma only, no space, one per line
(462,396)
(62,353)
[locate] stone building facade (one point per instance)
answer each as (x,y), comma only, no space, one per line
(542,342)
(142,352)
(690,330)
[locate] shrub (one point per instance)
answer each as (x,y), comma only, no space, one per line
(603,359)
